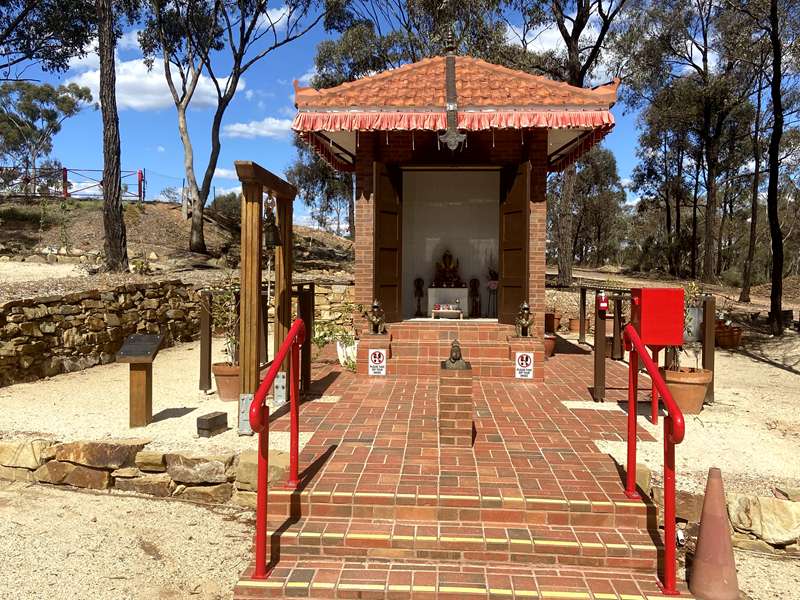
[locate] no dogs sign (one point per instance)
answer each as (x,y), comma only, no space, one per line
(377,362)
(523,365)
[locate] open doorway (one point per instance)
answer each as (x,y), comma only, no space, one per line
(453,210)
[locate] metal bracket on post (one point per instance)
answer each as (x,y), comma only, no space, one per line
(245,400)
(279,394)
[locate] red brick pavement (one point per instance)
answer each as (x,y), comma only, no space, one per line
(532,501)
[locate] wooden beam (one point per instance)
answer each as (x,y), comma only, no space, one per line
(709,327)
(250,172)
(599,388)
(250,295)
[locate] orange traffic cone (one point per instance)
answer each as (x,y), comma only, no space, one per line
(713,575)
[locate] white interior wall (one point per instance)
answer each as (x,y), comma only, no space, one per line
(455,210)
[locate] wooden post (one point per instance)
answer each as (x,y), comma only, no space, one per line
(709,326)
(250,295)
(264,343)
(205,341)
(616,346)
(305,307)
(141,395)
(582,317)
(599,354)
(283,275)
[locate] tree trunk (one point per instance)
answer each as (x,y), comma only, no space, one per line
(747,271)
(694,217)
(351,209)
(116,249)
(564,227)
(192,189)
(711,211)
(776,293)
(679,189)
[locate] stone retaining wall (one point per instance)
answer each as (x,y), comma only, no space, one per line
(127,466)
(41,337)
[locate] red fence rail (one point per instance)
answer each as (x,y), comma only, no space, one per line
(259,421)
(674,431)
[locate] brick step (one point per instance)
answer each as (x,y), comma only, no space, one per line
(438,351)
(441,331)
(520,544)
(431,367)
(444,508)
(441,580)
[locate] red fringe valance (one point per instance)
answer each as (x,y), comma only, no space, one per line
(437,121)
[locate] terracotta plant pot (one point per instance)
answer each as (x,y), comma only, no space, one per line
(227,379)
(549,345)
(730,338)
(688,387)
(552,321)
(575,325)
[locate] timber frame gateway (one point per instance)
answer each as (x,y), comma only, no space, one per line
(450,157)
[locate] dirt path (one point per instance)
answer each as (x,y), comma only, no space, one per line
(61,544)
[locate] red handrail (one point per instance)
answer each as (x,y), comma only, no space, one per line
(259,422)
(674,431)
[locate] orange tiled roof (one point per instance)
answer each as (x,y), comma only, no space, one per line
(479,84)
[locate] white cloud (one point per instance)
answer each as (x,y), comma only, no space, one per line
(274,17)
(269,127)
(248,94)
(544,39)
(223,173)
(140,88)
(626,182)
(129,40)
(160,149)
(223,191)
(305,78)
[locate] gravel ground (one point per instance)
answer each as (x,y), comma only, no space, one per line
(13,272)
(765,577)
(60,544)
(751,432)
(93,405)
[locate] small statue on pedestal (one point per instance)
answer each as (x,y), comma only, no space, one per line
(376,317)
(474,298)
(524,320)
(456,360)
(418,294)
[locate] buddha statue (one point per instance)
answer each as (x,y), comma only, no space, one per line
(447,272)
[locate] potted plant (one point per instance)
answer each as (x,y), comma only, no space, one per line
(552,320)
(692,313)
(326,332)
(688,385)
(549,345)
(225,316)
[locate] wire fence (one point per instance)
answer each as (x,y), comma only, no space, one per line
(27,183)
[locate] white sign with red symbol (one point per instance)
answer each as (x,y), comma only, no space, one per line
(523,365)
(377,362)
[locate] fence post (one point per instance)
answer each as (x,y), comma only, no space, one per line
(205,341)
(64,182)
(709,327)
(599,390)
(582,317)
(616,346)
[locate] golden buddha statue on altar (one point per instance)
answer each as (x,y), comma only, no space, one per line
(447,275)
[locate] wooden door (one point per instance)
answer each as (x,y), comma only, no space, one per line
(388,240)
(513,253)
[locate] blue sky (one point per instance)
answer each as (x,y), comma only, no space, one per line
(255,125)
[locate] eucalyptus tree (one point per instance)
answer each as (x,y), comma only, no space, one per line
(586,29)
(220,40)
(30,116)
(43,32)
(694,40)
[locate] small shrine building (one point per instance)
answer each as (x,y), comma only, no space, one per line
(451,156)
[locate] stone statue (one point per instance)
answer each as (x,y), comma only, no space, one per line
(376,317)
(524,320)
(455,361)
